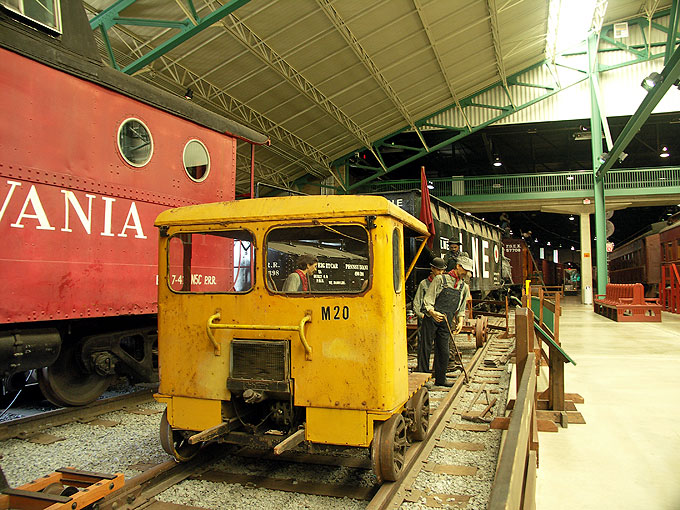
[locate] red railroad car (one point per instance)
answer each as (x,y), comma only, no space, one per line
(88,158)
(641,260)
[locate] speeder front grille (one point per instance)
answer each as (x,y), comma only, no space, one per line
(260,360)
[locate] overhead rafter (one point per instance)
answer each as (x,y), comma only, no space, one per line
(250,40)
(495,36)
(173,77)
(476,100)
(368,63)
(448,79)
(187,28)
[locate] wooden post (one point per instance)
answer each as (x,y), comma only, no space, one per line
(556,385)
(524,339)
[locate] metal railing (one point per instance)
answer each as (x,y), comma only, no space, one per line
(643,180)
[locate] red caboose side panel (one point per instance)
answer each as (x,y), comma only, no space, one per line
(76,219)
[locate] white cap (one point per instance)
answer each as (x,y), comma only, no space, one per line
(465,262)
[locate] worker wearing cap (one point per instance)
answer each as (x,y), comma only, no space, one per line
(426,329)
(445,299)
(455,250)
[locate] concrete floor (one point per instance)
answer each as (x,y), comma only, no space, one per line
(627,456)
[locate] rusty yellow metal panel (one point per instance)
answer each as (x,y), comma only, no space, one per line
(288,210)
(356,359)
(337,426)
(194,414)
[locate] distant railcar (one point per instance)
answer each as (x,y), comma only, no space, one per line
(639,260)
(89,158)
(481,240)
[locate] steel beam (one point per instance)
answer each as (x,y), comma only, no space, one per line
(175,78)
(596,145)
(367,61)
(258,47)
(672,31)
(187,28)
(447,78)
(670,73)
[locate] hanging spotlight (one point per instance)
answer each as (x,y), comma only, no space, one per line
(548,243)
(570,177)
(430,185)
(572,248)
(571,218)
(651,81)
(497,161)
(664,152)
(189,94)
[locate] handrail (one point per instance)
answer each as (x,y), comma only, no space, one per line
(506,493)
(638,179)
(300,328)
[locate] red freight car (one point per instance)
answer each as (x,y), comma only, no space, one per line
(89,157)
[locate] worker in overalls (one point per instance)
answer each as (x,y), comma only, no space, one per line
(444,305)
(426,324)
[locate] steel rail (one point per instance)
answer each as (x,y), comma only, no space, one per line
(391,494)
(29,425)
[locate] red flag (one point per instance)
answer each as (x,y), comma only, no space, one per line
(425,209)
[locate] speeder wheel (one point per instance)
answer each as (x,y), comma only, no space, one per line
(421,416)
(65,382)
(393,447)
(174,443)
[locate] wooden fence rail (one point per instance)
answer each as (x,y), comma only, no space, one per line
(515,483)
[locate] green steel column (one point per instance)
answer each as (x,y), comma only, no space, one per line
(596,145)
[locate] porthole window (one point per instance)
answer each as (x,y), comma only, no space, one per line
(196,160)
(135,142)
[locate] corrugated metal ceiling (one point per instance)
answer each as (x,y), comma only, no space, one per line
(325,78)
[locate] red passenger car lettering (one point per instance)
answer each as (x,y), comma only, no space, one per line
(33,208)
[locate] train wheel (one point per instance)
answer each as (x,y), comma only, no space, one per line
(176,444)
(64,383)
(421,416)
(481,330)
(375,450)
(392,447)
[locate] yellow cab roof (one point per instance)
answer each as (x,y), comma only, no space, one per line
(328,207)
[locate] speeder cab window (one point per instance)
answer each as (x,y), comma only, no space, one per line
(322,259)
(211,262)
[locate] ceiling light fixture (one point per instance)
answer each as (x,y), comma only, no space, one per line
(497,161)
(548,243)
(430,185)
(571,218)
(664,152)
(572,248)
(570,177)
(651,81)
(189,94)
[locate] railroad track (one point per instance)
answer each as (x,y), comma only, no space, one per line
(350,477)
(332,478)
(22,428)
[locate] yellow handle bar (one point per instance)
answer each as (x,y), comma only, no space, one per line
(300,328)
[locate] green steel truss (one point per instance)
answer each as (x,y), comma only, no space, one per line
(187,28)
(639,53)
